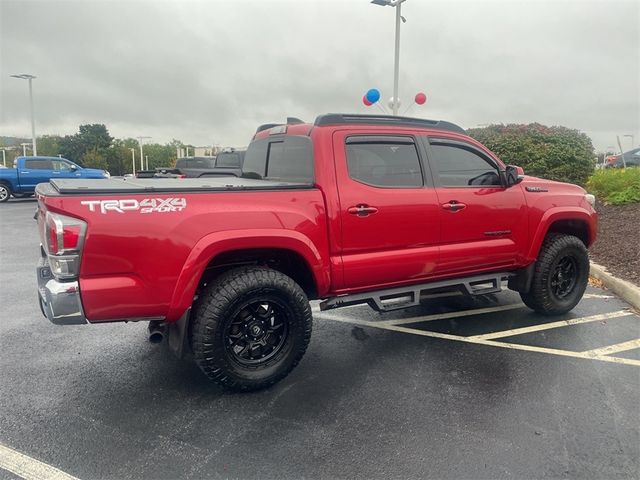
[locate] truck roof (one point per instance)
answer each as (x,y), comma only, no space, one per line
(296,126)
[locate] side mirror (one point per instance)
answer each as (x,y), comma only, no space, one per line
(514,175)
(73,167)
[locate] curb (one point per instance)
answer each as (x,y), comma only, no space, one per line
(629,292)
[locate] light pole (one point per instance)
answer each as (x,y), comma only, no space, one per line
(396,60)
(26,76)
(4,158)
(24,149)
(146,157)
(133,160)
(140,139)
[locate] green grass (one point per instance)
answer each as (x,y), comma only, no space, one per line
(616,186)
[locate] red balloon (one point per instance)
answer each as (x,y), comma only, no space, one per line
(366,102)
(421,98)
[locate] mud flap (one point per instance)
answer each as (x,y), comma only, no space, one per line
(178,338)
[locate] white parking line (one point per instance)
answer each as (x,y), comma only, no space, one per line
(548,326)
(596,295)
(444,316)
(479,341)
(618,347)
(29,468)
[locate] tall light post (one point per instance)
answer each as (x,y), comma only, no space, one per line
(24,149)
(133,161)
(396,60)
(26,76)
(4,158)
(140,139)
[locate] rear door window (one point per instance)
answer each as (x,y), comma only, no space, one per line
(39,164)
(384,161)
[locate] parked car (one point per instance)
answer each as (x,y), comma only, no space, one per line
(631,159)
(224,164)
(350,209)
(30,171)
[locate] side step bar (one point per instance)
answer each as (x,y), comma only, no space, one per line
(409,296)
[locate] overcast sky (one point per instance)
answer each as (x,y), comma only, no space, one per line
(210,71)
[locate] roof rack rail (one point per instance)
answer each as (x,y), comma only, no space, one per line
(350,118)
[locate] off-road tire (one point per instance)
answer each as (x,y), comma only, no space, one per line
(223,302)
(5,192)
(541,297)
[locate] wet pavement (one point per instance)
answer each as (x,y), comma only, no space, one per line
(491,391)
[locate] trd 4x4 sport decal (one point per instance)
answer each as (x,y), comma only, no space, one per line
(146,205)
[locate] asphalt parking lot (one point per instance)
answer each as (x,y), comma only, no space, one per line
(455,388)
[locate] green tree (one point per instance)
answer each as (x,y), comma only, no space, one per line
(557,153)
(90,138)
(49,145)
(95,159)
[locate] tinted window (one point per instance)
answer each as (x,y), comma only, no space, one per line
(255,160)
(38,164)
(384,163)
(228,160)
(460,167)
(195,162)
(287,158)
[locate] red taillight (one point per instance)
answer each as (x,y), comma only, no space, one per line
(64,238)
(63,234)
(70,237)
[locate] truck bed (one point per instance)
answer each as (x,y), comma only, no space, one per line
(111,186)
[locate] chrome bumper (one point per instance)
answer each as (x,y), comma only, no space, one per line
(59,301)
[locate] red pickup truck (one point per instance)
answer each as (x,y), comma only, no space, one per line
(350,209)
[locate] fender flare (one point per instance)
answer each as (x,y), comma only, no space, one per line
(214,244)
(553,215)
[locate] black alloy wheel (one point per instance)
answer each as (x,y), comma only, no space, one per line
(564,278)
(257,332)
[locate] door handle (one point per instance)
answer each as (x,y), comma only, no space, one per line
(453,206)
(362,210)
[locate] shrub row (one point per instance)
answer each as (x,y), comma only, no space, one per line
(617,186)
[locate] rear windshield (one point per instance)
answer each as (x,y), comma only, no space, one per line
(287,158)
(196,162)
(233,159)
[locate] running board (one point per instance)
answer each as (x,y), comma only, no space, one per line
(409,296)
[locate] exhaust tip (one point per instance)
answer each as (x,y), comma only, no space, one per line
(156,337)
(156,331)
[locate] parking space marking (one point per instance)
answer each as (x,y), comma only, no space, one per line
(618,347)
(29,468)
(480,341)
(596,295)
(444,316)
(548,326)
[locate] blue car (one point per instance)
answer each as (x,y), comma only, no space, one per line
(30,171)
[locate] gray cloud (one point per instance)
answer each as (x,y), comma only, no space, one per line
(212,71)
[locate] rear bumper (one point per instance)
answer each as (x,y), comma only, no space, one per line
(59,301)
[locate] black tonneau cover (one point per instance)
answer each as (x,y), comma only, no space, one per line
(110,186)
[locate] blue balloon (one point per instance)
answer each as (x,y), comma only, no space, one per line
(373,95)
